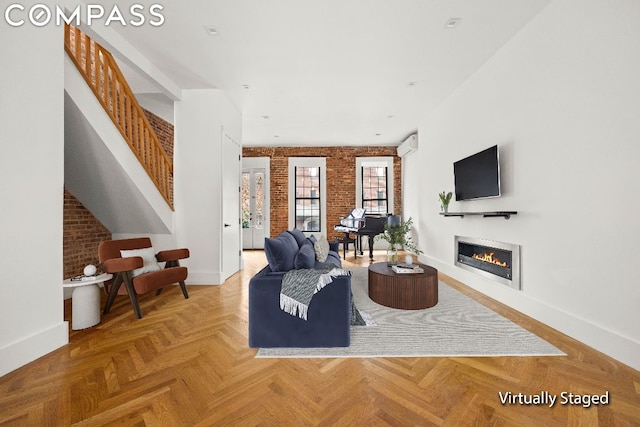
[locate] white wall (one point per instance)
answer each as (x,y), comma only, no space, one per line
(160,242)
(562,100)
(199,119)
(31,194)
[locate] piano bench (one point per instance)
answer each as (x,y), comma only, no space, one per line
(345,244)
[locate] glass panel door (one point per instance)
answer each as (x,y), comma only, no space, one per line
(253,205)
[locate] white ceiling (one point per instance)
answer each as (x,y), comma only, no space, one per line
(327,72)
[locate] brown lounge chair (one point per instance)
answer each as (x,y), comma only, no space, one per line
(137,268)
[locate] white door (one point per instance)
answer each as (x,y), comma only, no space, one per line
(231,254)
(253,208)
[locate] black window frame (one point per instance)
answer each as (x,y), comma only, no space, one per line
(386,185)
(317,199)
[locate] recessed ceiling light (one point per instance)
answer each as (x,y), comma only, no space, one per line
(452,23)
(211,30)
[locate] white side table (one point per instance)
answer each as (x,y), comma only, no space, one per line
(85,300)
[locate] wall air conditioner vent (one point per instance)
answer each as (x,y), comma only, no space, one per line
(408,146)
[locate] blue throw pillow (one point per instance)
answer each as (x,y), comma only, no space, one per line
(281,251)
(306,256)
(298,235)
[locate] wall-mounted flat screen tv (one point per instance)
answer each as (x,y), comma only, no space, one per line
(478,176)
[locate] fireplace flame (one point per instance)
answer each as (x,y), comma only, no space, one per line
(490,259)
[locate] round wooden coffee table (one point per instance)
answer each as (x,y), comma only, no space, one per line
(413,291)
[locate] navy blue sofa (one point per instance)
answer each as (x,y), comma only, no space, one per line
(328,323)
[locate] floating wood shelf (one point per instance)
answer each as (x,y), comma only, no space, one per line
(503,214)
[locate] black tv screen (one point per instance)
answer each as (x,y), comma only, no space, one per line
(478,176)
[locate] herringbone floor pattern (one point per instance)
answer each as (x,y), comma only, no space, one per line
(186,363)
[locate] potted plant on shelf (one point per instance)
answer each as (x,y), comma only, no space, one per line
(445,198)
(398,234)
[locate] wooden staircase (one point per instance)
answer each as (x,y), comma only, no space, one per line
(101,72)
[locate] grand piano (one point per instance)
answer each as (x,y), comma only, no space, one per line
(361,225)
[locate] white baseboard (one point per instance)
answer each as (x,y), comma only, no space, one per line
(204,278)
(606,341)
(18,354)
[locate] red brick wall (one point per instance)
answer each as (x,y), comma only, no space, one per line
(82,233)
(165,131)
(341,179)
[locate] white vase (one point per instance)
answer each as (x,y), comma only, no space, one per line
(90,270)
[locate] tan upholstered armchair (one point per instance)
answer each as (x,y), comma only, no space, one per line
(134,263)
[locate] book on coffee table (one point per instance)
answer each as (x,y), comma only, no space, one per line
(412,266)
(413,269)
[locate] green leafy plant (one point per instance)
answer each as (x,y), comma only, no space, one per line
(400,235)
(445,198)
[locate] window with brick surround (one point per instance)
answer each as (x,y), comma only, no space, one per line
(374,184)
(374,189)
(307,199)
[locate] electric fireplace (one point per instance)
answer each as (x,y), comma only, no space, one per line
(497,261)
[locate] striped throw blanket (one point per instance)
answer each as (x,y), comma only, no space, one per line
(299,287)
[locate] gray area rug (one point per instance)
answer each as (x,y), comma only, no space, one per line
(456,326)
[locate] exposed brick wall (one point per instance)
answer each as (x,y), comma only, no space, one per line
(82,233)
(341,179)
(165,132)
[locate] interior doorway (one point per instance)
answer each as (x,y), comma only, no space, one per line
(255,202)
(231,255)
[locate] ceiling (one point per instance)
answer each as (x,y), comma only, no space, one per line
(327,72)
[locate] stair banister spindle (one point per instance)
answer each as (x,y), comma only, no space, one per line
(86,42)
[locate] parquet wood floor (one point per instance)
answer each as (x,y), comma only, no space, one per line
(186,363)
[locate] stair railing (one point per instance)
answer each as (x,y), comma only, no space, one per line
(101,72)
